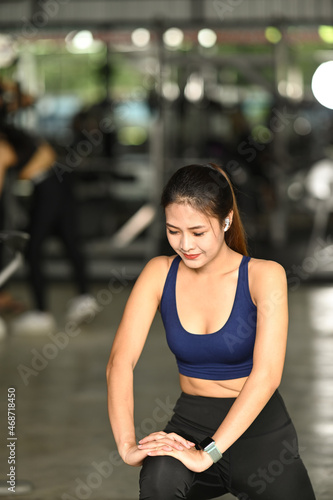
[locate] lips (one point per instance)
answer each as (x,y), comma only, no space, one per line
(191,256)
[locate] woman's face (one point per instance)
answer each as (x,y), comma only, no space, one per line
(197,238)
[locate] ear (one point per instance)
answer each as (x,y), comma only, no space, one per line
(228,221)
(230,215)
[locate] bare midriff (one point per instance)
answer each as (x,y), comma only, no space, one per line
(212,388)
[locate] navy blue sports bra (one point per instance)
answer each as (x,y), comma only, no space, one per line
(222,355)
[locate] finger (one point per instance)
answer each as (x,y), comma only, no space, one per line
(180,439)
(153,437)
(166,448)
(150,439)
(172,435)
(160,443)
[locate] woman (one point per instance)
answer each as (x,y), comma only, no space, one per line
(52,212)
(230,431)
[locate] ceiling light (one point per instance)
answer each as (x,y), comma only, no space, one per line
(83,40)
(173,37)
(140,37)
(322,84)
(207,38)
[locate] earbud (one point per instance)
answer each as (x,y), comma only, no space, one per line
(227,224)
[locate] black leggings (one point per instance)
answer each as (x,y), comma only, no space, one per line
(263,464)
(2,226)
(53,212)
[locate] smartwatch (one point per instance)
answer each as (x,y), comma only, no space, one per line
(208,445)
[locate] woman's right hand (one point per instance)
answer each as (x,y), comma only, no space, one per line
(132,455)
(169,440)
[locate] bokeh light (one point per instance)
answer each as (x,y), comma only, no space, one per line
(173,37)
(140,37)
(322,84)
(207,38)
(326,33)
(272,34)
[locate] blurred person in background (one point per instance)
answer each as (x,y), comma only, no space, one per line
(53,212)
(8,89)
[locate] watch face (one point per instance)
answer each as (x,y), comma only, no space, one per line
(205,442)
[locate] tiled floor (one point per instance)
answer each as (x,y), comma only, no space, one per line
(64,443)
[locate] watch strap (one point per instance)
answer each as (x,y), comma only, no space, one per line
(209,446)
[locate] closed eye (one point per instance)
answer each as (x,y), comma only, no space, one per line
(176,232)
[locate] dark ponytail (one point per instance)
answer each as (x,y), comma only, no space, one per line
(208,189)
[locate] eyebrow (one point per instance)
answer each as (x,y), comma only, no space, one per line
(194,227)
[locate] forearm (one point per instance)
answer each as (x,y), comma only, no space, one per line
(121,405)
(8,159)
(270,293)
(40,162)
(2,178)
(255,394)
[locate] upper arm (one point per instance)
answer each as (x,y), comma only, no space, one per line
(270,293)
(139,312)
(8,157)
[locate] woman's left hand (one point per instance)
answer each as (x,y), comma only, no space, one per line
(195,460)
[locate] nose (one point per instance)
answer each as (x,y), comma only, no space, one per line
(186,243)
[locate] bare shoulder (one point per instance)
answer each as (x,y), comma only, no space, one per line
(266,277)
(266,268)
(158,266)
(156,271)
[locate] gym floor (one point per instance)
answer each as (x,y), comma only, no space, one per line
(65,449)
